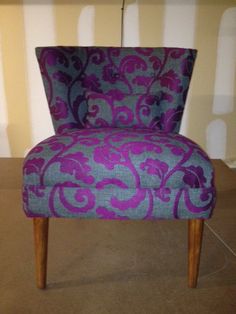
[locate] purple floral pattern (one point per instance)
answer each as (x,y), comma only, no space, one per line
(69,72)
(114,173)
(133,111)
(125,172)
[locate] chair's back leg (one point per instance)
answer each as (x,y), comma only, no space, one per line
(41,246)
(195,231)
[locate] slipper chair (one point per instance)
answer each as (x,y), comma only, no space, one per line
(117,152)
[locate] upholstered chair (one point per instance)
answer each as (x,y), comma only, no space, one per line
(117,152)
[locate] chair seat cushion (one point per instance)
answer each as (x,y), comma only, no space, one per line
(114,173)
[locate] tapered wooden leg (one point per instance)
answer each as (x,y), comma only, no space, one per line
(41,248)
(195,231)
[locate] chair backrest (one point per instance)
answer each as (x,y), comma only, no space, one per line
(68,72)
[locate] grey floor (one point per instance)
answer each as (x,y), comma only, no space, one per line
(116,267)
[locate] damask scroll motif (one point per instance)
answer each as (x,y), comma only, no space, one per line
(119,174)
(69,72)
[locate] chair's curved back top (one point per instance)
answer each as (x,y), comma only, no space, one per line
(68,72)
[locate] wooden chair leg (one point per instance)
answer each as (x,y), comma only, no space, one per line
(195,232)
(41,248)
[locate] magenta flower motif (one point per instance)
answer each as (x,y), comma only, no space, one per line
(113,51)
(101,123)
(163,194)
(206,195)
(142,80)
(176,150)
(53,56)
(96,54)
(131,63)
(104,155)
(151,100)
(111,181)
(156,62)
(87,197)
(94,110)
(123,115)
(54,146)
(33,165)
(132,202)
(145,110)
(60,109)
(51,59)
(91,82)
(167,97)
(104,213)
(109,74)
(62,77)
(75,164)
(171,80)
(170,118)
(176,53)
(154,167)
(139,148)
(194,176)
(118,137)
(115,94)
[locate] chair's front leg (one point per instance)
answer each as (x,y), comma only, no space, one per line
(41,248)
(195,231)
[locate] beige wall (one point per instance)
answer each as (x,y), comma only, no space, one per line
(210,117)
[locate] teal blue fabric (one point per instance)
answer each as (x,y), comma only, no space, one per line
(132,111)
(115,173)
(70,72)
(142,170)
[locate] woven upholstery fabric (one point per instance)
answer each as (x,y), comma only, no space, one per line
(114,173)
(143,170)
(133,111)
(69,72)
